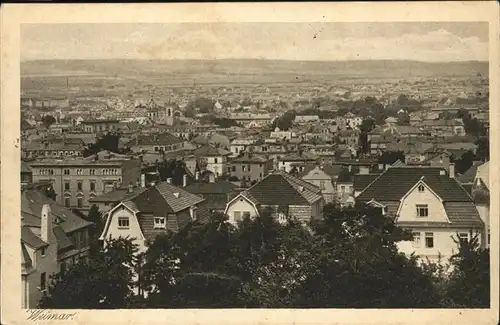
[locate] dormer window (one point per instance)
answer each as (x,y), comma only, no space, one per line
(421,188)
(159,223)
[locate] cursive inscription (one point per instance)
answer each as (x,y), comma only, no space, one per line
(35,315)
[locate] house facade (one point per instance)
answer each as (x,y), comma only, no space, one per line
(250,167)
(52,238)
(284,194)
(431,203)
(321,179)
(157,210)
(76,181)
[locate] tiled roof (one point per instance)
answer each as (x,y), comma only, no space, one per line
(394,183)
(161,199)
(32,201)
(63,242)
(280,188)
(462,213)
(248,158)
(208,150)
(118,195)
(30,239)
(361,181)
(217,187)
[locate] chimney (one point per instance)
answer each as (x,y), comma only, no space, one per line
(442,172)
(452,170)
(387,166)
(143,180)
(380,166)
(184,180)
(169,180)
(46,225)
(197,176)
(130,188)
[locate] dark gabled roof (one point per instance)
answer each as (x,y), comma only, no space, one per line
(249,158)
(118,195)
(463,213)
(394,183)
(30,239)
(161,199)
(280,188)
(361,181)
(32,201)
(345,177)
(217,187)
(63,242)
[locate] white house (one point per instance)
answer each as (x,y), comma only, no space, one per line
(431,203)
(285,195)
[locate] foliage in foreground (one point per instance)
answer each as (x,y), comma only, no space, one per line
(349,259)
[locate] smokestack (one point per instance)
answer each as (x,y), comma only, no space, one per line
(169,180)
(143,180)
(452,170)
(46,225)
(130,188)
(184,180)
(197,176)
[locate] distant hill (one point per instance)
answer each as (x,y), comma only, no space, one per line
(251,68)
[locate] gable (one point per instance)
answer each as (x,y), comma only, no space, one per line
(421,194)
(112,230)
(316,174)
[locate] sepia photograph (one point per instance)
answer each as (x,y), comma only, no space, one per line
(253,165)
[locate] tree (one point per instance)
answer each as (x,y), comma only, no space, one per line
(174,169)
(358,265)
(464,162)
(50,192)
(48,120)
(95,216)
(285,121)
(366,126)
(483,148)
(469,282)
(105,281)
(390,157)
(110,142)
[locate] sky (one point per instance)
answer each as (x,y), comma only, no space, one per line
(420,41)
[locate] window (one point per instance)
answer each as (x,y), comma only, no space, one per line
(342,188)
(79,185)
(249,168)
(237,216)
(243,168)
(79,171)
(43,281)
(67,202)
(92,186)
(322,185)
(421,188)
(159,222)
(416,239)
(422,210)
(123,222)
(66,186)
(156,148)
(79,202)
(246,214)
(216,160)
(429,240)
(463,236)
(92,172)
(233,168)
(66,172)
